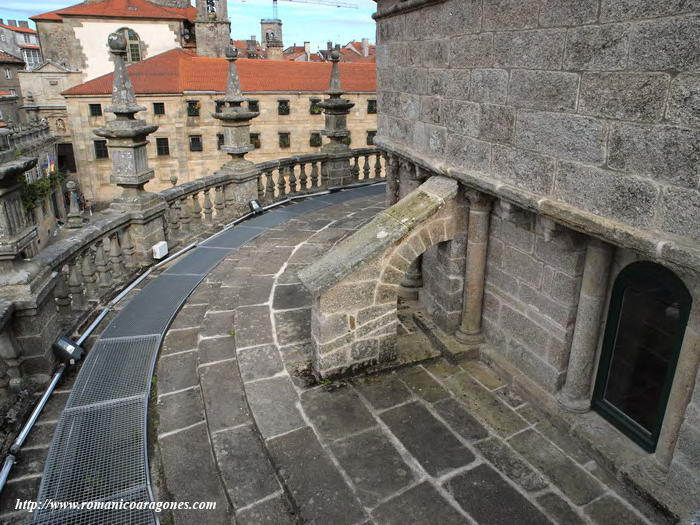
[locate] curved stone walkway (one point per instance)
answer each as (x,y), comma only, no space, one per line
(239,421)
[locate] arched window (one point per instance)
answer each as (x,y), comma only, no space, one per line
(133,45)
(649,310)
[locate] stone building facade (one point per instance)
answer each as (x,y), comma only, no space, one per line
(21,41)
(283,93)
(10,68)
(573,135)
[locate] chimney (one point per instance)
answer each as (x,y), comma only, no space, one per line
(307,50)
(24,23)
(329,45)
(365,47)
(12,23)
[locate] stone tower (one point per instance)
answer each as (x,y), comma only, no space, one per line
(212,28)
(271,37)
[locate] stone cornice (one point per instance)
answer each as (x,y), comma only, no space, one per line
(660,246)
(404,6)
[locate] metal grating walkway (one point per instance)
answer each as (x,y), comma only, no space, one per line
(99,449)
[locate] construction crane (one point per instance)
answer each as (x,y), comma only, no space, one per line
(329,3)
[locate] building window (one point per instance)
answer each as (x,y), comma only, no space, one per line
(284,139)
(647,317)
(371,106)
(283,107)
(162,147)
(133,45)
(8,73)
(196,143)
(27,38)
(315,140)
(255,140)
(254,105)
(219,140)
(159,108)
(193,108)
(13,92)
(219,106)
(370,137)
(101,151)
(32,57)
(314,108)
(95,110)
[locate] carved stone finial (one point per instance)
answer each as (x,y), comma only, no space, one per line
(123,97)
(335,85)
(231,52)
(117,43)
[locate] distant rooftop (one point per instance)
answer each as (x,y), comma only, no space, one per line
(179,71)
(120,9)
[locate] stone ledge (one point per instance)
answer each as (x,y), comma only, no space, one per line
(381,232)
(662,247)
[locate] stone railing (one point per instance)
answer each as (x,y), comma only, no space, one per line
(20,138)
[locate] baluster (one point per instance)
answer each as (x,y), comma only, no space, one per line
(355,168)
(115,255)
(196,210)
(219,202)
(104,277)
(229,199)
(62,295)
(315,182)
(207,206)
(89,276)
(303,179)
(281,183)
(261,186)
(75,286)
(324,173)
(269,187)
(185,215)
(292,179)
(174,218)
(377,166)
(128,249)
(365,169)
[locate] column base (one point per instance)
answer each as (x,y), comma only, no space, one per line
(577,406)
(469,339)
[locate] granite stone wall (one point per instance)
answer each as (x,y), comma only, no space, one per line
(594,103)
(531,296)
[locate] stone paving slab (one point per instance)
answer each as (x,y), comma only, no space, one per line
(336,413)
(273,402)
(429,441)
(490,500)
(223,395)
(382,391)
(259,362)
(422,505)
(319,490)
(272,511)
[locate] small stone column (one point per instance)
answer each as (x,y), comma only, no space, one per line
(235,120)
(127,138)
(75,218)
(469,331)
(392,180)
(409,178)
(336,110)
(575,395)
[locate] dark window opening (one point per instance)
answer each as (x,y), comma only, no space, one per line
(283,107)
(370,137)
(255,140)
(95,110)
(254,105)
(162,147)
(101,151)
(193,108)
(371,106)
(347,140)
(220,105)
(196,143)
(219,140)
(159,108)
(284,140)
(315,140)
(314,108)
(649,309)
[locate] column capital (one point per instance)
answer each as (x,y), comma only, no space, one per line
(478,200)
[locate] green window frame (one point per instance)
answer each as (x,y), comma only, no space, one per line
(315,140)
(370,137)
(193,108)
(314,108)
(196,143)
(159,108)
(162,146)
(101,150)
(644,283)
(372,106)
(283,107)
(95,110)
(284,139)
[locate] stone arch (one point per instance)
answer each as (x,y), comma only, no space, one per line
(355,285)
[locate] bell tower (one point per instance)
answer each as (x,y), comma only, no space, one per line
(212,28)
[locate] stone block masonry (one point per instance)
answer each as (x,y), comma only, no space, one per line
(547,95)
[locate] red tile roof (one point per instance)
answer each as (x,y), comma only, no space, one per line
(121,9)
(179,70)
(4,93)
(7,58)
(19,29)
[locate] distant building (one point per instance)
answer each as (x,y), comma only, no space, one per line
(10,66)
(19,40)
(271,36)
(353,51)
(250,48)
(180,90)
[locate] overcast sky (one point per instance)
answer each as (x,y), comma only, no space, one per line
(301,21)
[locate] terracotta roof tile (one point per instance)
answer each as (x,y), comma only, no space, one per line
(121,9)
(19,29)
(178,70)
